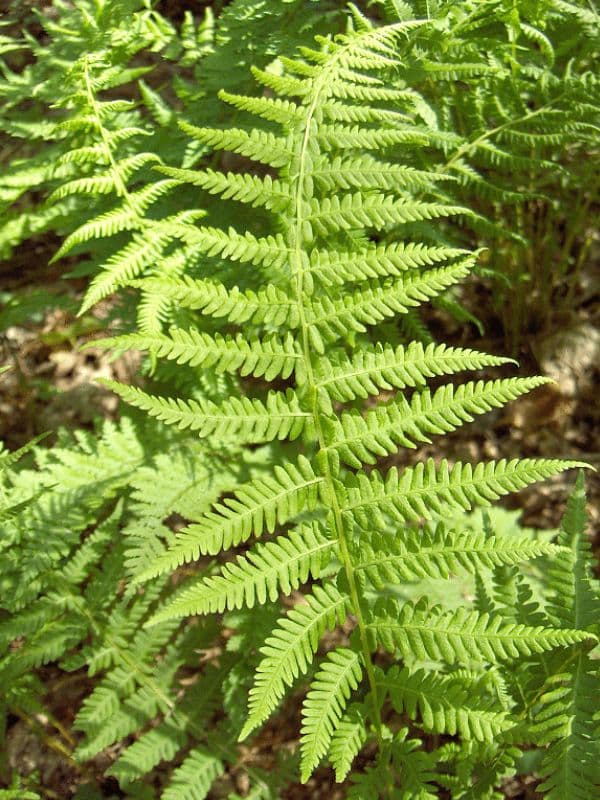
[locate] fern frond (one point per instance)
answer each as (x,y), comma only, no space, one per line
(574,594)
(383,368)
(347,740)
(266,570)
(375,302)
(335,268)
(461,636)
(258,145)
(362,440)
(241,419)
(126,265)
(268,357)
(256,506)
(412,555)
(289,651)
(443,704)
(245,188)
(158,744)
(268,306)
(274,109)
(324,705)
(283,84)
(267,251)
(565,719)
(346,137)
(459,487)
(373,211)
(193,779)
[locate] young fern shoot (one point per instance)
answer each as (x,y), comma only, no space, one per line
(332,128)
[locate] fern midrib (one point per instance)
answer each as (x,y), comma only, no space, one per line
(297,269)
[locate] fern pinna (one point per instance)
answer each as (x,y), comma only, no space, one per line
(329,138)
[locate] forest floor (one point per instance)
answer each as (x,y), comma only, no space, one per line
(52,385)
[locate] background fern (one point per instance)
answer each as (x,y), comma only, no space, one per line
(511,91)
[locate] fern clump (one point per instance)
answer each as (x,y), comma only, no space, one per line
(324,520)
(99,504)
(511,92)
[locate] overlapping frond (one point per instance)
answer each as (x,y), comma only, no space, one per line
(193,779)
(444,704)
(571,763)
(347,740)
(255,507)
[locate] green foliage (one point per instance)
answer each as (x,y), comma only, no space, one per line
(510,92)
(336,86)
(353,178)
(99,505)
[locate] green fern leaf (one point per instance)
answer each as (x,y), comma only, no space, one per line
(335,268)
(193,779)
(443,704)
(245,188)
(268,306)
(575,596)
(375,211)
(461,636)
(324,705)
(269,357)
(393,557)
(256,506)
(158,744)
(257,145)
(358,172)
(269,251)
(347,740)
(275,109)
(289,650)
(368,306)
(266,570)
(566,720)
(384,368)
(362,440)
(238,419)
(460,487)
